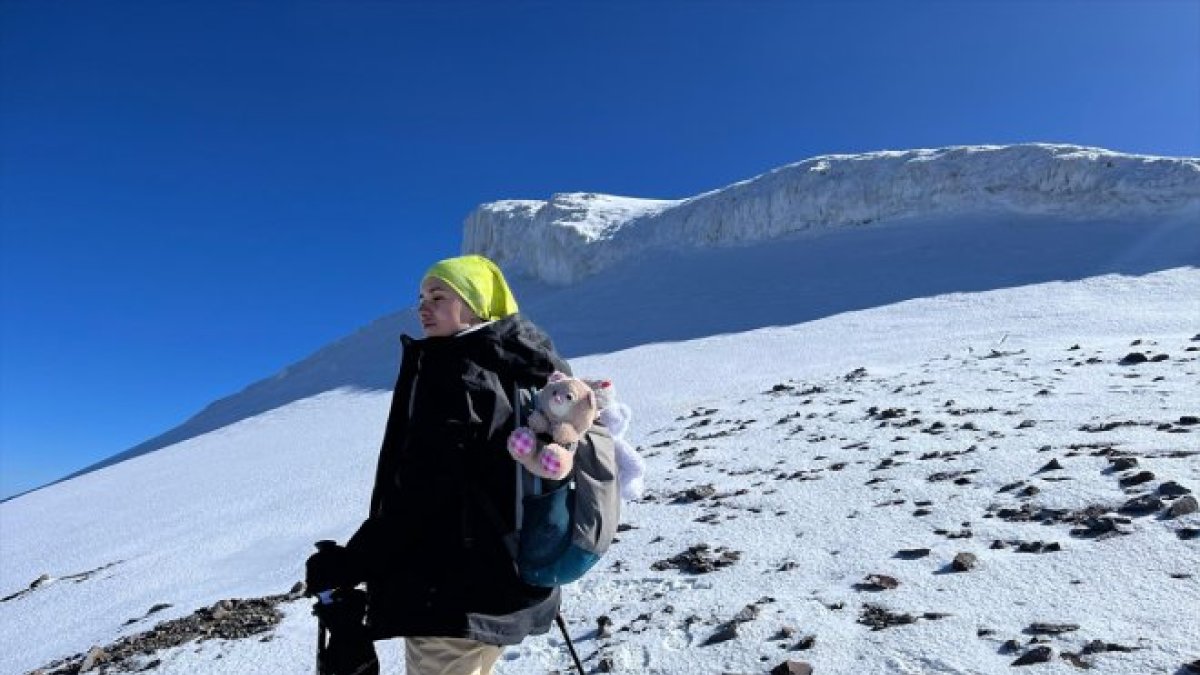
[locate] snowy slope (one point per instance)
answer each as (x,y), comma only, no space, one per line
(742,363)
(233,513)
(822,236)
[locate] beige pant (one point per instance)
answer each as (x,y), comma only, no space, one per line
(449,656)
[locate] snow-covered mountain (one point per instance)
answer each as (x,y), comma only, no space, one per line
(576,235)
(822,416)
(804,241)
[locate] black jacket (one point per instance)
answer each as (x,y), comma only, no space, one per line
(433,559)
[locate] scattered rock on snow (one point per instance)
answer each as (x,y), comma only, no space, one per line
(228,620)
(877,582)
(1098,646)
(1075,660)
(806,642)
(1182,507)
(1052,465)
(1136,479)
(694,494)
(1171,489)
(964,562)
(1122,463)
(1051,628)
(792,668)
(1141,506)
(699,560)
(1040,654)
(879,618)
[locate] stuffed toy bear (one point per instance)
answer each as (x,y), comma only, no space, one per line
(615,416)
(564,410)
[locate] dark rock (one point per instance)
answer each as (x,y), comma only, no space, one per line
(912,553)
(998,545)
(1075,660)
(1171,489)
(964,562)
(699,560)
(1193,667)
(1099,527)
(1029,491)
(1133,358)
(1158,358)
(1052,465)
(1029,547)
(1051,628)
(1136,479)
(877,582)
(1028,424)
(879,618)
(792,668)
(1040,654)
(1010,646)
(1188,533)
(1141,506)
(1094,647)
(694,494)
(806,642)
(1182,507)
(227,620)
(1122,463)
(1188,420)
(604,627)
(724,633)
(921,512)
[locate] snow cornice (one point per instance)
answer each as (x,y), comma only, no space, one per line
(575,235)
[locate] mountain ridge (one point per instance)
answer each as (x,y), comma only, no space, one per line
(579,238)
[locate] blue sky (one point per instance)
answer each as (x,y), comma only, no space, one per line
(194,195)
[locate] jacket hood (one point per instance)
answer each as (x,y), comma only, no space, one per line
(512,347)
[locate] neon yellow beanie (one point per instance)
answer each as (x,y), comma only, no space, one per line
(479,282)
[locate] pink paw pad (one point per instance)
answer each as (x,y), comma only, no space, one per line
(550,463)
(521,443)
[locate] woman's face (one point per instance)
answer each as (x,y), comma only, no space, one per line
(442,311)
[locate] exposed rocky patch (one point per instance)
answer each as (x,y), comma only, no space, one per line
(699,559)
(233,619)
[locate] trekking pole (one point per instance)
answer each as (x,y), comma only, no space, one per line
(322,634)
(562,625)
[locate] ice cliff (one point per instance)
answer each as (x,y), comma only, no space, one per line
(575,235)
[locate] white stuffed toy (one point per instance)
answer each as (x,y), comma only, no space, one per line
(615,416)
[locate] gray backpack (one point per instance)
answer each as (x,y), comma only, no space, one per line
(564,527)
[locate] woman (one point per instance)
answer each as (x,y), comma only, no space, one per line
(431,551)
